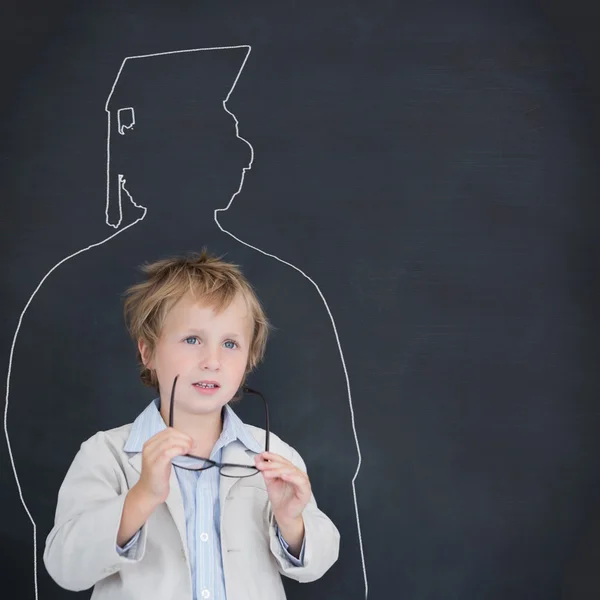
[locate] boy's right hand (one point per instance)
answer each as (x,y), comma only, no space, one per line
(157,454)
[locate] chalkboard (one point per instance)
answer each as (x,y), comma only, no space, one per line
(412,190)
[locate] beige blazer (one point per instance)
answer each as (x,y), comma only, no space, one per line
(81,549)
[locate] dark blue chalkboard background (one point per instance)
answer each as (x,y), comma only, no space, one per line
(431,166)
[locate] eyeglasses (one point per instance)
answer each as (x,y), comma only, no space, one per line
(190,462)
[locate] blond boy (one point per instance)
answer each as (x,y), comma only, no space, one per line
(140,513)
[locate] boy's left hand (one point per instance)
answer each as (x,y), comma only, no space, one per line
(288,487)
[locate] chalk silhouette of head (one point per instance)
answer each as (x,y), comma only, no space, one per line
(170,134)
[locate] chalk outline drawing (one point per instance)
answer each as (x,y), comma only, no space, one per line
(122,189)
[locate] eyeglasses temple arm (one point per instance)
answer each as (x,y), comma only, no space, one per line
(248,390)
(172,401)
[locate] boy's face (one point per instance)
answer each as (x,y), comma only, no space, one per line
(208,351)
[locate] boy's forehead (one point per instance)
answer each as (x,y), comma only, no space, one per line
(195,310)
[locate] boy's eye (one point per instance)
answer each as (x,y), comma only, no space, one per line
(230,344)
(192,340)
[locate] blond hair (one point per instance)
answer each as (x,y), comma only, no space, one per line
(210,280)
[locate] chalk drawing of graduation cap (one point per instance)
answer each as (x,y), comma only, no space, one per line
(181,87)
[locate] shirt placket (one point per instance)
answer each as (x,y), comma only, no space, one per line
(208,482)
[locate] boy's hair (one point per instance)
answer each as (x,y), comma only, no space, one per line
(210,280)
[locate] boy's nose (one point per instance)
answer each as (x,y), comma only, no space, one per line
(211,362)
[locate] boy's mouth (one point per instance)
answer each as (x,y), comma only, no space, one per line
(206,385)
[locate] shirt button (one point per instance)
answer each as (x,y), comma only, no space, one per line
(204,537)
(205,594)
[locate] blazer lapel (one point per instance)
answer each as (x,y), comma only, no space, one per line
(174,500)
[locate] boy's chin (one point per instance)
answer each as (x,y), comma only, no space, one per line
(208,402)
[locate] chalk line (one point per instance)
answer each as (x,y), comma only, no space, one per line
(122,188)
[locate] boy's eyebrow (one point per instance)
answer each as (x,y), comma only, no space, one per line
(234,335)
(203,332)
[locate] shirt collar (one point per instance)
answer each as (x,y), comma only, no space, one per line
(149,423)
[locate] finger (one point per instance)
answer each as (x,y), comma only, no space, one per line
(156,439)
(165,444)
(170,453)
(278,473)
(170,433)
(166,447)
(175,451)
(174,434)
(178,432)
(176,437)
(165,435)
(268,458)
(269,467)
(299,484)
(298,480)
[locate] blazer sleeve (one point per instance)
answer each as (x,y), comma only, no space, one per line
(321,540)
(81,549)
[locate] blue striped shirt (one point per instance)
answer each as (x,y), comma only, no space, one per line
(200,494)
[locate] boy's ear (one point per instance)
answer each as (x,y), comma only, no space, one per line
(145,353)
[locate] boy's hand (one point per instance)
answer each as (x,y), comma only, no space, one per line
(288,487)
(157,454)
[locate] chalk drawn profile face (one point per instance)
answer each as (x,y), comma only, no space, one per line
(170,133)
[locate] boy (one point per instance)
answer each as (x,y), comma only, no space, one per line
(138,515)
